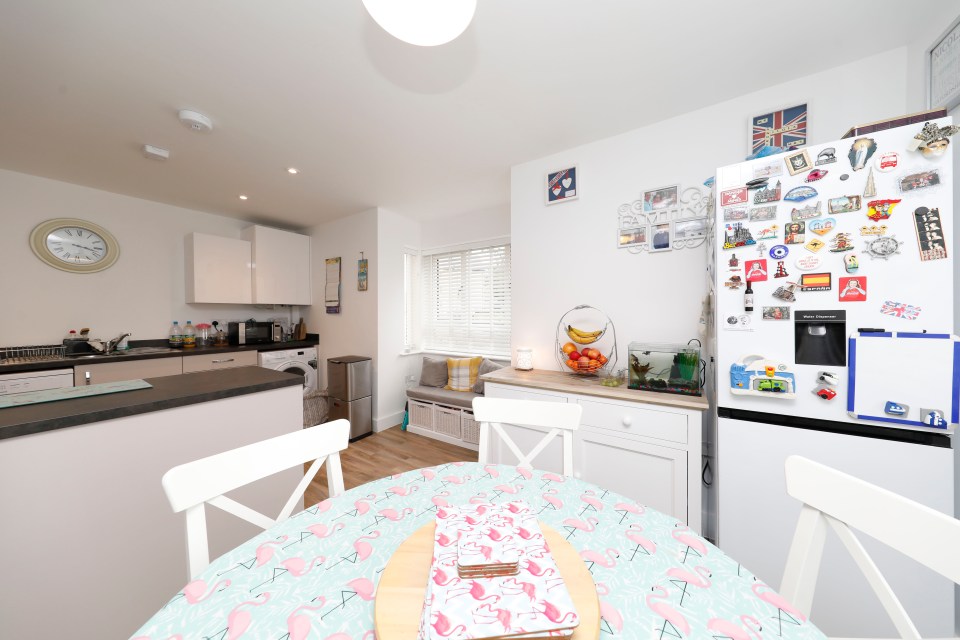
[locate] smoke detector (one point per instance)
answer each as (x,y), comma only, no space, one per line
(155,153)
(195,120)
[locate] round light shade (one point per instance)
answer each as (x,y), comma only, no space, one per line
(425,23)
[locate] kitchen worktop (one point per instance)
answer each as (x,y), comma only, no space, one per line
(69,362)
(167,392)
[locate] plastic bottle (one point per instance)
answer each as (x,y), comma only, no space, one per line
(176,336)
(189,336)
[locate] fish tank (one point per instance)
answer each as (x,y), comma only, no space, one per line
(667,368)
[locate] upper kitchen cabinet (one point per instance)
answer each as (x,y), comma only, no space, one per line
(218,269)
(281,266)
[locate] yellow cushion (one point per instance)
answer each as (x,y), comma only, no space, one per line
(462,373)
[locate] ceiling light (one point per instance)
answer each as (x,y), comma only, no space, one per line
(425,23)
(293,170)
(243,197)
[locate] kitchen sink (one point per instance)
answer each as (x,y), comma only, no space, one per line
(135,351)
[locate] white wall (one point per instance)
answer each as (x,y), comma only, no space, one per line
(565,254)
(469,227)
(142,293)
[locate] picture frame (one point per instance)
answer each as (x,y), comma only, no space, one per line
(562,185)
(798,162)
(632,237)
(661,199)
(660,237)
(942,62)
(688,229)
(783,128)
(362,272)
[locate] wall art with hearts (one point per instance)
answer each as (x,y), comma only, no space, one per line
(562,186)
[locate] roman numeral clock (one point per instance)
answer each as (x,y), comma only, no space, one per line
(74,245)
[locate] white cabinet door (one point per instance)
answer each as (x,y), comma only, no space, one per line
(526,438)
(220,360)
(650,474)
(281,266)
(217,269)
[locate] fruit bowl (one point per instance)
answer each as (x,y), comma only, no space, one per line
(586,341)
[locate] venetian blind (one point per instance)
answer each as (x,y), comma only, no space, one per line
(466,301)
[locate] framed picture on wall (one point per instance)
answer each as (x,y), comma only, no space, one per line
(661,199)
(943,69)
(660,237)
(632,237)
(781,128)
(562,185)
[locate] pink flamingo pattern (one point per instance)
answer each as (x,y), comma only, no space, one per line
(652,572)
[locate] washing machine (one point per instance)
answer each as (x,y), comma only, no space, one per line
(302,362)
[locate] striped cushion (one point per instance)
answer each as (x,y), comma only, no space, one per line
(462,373)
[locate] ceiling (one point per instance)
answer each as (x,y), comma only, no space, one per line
(371,121)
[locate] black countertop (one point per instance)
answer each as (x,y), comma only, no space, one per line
(70,362)
(167,392)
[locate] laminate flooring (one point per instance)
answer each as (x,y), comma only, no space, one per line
(386,453)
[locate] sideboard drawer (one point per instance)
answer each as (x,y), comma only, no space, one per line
(629,419)
(224,360)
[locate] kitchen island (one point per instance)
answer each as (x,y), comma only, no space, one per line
(88,531)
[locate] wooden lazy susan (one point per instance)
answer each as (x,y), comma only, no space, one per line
(403,585)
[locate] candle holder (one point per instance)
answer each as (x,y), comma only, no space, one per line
(524,359)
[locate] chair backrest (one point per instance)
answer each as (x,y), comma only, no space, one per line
(191,485)
(843,502)
(557,418)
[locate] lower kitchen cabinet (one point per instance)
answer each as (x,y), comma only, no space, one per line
(642,445)
(227,360)
(98,372)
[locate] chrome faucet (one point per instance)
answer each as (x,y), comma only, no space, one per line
(111,345)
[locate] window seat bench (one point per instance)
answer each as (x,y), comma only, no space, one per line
(444,415)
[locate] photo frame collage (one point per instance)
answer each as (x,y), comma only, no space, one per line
(664,219)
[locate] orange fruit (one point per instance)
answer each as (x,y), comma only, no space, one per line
(572,364)
(602,358)
(567,348)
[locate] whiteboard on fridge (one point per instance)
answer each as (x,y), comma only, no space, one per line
(916,372)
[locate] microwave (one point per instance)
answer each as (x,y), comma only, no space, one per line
(254,332)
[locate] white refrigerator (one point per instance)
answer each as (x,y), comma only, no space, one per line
(846,357)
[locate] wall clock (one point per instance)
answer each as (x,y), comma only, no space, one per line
(74,245)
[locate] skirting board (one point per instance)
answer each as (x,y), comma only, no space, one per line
(442,437)
(392,420)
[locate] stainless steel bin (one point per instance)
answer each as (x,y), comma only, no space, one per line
(350,391)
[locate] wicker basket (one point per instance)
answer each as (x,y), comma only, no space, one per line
(447,421)
(421,414)
(469,428)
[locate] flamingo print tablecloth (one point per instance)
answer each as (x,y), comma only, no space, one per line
(315,575)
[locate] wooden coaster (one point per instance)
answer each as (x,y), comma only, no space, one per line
(403,585)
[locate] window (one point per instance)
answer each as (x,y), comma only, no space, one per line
(461,301)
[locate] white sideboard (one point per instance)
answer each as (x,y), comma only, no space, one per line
(645,446)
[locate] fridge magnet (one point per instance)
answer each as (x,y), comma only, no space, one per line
(844,204)
(816,174)
(882,247)
(825,392)
(799,194)
(732,215)
(806,213)
(633,237)
(887,161)
(807,263)
(870,190)
(922,180)
(828,377)
(661,199)
(757,183)
(762,214)
(851,263)
(562,185)
(816,281)
(787,293)
(734,263)
(814,245)
(781,271)
(841,242)
(767,194)
(779,252)
(873,230)
(860,152)
(932,141)
(822,226)
(738,323)
(933,246)
(844,176)
(755,270)
(735,282)
(895,408)
(783,128)
(768,233)
(798,162)
(900,310)
(731,197)
(881,209)
(755,375)
(933,418)
(771,170)
(827,156)
(761,248)
(775,313)
(793,233)
(853,289)
(660,237)
(362,271)
(736,235)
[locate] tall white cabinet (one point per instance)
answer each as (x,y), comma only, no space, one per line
(645,446)
(281,266)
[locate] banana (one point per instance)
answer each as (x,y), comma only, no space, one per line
(584,334)
(583,337)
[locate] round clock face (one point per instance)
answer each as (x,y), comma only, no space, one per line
(74,245)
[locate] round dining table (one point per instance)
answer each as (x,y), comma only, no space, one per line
(315,574)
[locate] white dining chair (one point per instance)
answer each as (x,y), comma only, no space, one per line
(842,502)
(191,486)
(558,418)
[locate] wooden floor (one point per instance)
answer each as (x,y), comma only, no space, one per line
(386,453)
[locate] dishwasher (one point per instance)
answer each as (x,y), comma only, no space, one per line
(35,381)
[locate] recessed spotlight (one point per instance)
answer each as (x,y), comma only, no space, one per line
(243,197)
(293,170)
